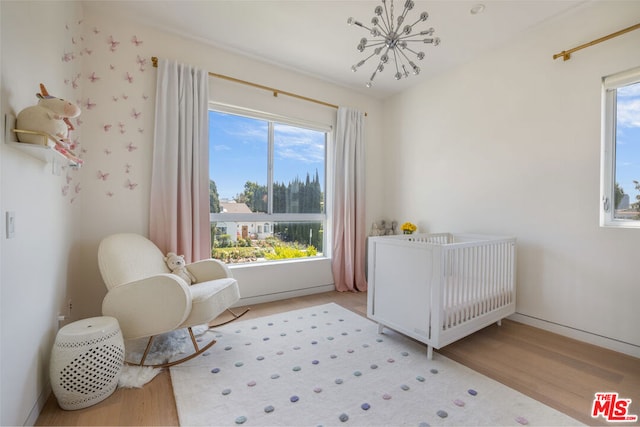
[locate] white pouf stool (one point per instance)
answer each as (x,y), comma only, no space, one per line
(86,362)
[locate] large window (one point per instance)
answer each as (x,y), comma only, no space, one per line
(267,187)
(621,150)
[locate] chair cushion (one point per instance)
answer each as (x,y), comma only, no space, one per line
(210,299)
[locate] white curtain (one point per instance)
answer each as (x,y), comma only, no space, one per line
(179,205)
(349,227)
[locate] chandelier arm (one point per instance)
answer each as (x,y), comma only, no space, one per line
(395,60)
(377,43)
(411,50)
(404,55)
(404,13)
(408,36)
(386,11)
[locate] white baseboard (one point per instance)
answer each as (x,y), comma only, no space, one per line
(588,337)
(259,299)
(38,406)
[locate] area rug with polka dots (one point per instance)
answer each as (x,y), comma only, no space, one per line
(327,366)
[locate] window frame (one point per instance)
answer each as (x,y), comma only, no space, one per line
(610,84)
(271,217)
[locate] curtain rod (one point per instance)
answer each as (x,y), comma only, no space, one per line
(154,61)
(566,54)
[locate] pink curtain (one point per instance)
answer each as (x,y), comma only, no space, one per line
(179,205)
(349,228)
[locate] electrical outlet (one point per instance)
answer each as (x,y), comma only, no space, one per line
(70,306)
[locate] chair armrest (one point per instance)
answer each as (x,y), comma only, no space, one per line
(209,269)
(150,306)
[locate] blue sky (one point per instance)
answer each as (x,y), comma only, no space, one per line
(628,139)
(238,149)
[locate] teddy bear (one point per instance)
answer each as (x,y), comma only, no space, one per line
(177,265)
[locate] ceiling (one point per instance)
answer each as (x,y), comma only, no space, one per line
(313,37)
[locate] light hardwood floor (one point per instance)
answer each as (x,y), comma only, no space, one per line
(558,371)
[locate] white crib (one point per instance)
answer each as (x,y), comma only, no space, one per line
(438,288)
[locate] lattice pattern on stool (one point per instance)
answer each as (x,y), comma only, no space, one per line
(93,370)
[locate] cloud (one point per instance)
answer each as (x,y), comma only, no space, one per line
(302,145)
(629,112)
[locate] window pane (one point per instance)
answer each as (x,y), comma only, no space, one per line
(627,153)
(238,163)
(298,170)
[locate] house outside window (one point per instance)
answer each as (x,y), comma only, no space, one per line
(620,180)
(267,182)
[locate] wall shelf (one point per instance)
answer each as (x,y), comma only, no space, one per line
(43,150)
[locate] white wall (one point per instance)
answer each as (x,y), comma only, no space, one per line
(33,271)
(510,144)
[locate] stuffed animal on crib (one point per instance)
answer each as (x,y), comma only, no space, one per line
(177,265)
(50,116)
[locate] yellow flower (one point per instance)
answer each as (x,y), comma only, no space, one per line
(407,226)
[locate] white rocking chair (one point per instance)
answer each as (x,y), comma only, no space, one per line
(148,300)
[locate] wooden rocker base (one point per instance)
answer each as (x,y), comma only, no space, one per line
(197,349)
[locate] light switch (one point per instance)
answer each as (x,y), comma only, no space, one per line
(11,224)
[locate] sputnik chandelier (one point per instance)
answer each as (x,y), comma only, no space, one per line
(390,42)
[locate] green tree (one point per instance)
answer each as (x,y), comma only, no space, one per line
(214,199)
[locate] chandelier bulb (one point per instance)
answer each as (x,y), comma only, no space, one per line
(409,4)
(369,84)
(420,56)
(398,76)
(378,10)
(424,16)
(407,29)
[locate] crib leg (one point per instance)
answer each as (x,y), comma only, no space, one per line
(499,322)
(380,328)
(429,352)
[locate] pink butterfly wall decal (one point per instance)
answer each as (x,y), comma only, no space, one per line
(130,185)
(135,114)
(103,175)
(89,105)
(113,45)
(131,147)
(135,41)
(128,77)
(107,127)
(142,62)
(93,78)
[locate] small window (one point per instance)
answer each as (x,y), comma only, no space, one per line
(620,186)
